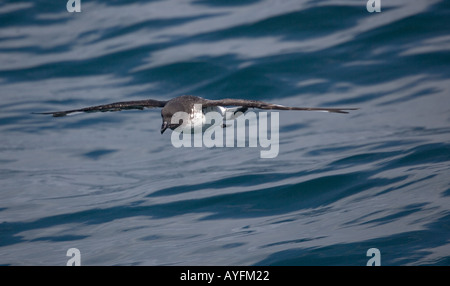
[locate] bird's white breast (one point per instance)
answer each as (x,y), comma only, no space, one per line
(198,122)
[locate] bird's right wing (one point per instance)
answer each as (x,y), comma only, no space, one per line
(265,105)
(116,106)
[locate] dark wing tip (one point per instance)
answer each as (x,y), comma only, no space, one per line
(341,110)
(54,114)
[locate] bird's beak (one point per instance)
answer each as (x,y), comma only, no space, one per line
(164,127)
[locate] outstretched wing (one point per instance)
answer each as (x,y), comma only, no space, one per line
(265,105)
(116,106)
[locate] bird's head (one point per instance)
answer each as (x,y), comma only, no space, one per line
(170,120)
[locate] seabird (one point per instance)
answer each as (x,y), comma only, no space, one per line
(190,105)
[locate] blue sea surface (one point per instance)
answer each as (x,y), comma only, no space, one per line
(110,185)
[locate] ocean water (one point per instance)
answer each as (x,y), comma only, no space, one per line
(110,185)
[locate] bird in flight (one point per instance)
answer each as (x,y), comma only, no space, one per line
(194,107)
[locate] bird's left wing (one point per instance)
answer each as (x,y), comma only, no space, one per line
(116,106)
(265,105)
